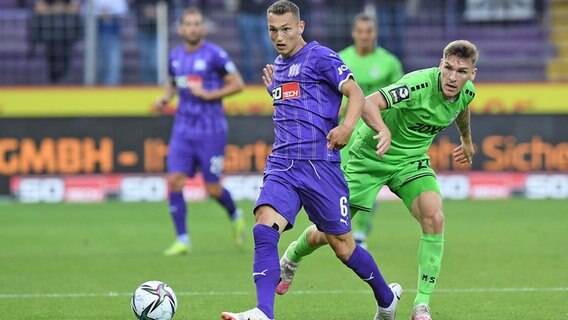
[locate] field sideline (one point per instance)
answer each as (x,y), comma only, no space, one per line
(503,260)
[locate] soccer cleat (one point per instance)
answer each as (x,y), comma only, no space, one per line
(252,314)
(177,248)
(421,312)
(239,231)
(389,313)
(287,271)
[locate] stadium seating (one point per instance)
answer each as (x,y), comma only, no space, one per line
(509,51)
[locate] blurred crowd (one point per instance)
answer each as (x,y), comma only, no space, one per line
(58,26)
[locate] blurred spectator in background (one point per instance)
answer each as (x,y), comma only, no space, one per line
(201,74)
(56,24)
(374,68)
(109,45)
(251,22)
(147,38)
(338,17)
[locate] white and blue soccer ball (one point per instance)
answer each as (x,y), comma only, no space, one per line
(154,300)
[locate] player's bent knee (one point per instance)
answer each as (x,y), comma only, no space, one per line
(213,190)
(176,182)
(342,245)
(432,222)
(316,238)
(267,215)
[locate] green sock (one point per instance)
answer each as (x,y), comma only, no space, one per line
(430,254)
(301,249)
(362,222)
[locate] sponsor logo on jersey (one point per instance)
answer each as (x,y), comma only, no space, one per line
(426,128)
(399,94)
(342,69)
(290,90)
(185,81)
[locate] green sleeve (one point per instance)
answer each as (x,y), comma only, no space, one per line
(407,90)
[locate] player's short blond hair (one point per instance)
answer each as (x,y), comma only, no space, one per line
(281,7)
(463,49)
(190,11)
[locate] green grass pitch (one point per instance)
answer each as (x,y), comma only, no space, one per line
(503,260)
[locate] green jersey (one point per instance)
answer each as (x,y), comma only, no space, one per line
(372,72)
(416,112)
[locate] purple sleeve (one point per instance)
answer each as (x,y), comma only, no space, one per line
(223,63)
(333,69)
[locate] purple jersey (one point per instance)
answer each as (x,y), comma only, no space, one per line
(197,118)
(305,89)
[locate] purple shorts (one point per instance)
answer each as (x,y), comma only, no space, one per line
(185,156)
(318,186)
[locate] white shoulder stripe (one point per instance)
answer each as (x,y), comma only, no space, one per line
(349,76)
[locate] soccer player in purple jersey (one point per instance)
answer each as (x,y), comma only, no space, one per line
(307,83)
(201,74)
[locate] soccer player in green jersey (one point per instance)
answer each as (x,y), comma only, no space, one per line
(414,109)
(374,68)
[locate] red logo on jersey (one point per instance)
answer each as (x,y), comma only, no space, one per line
(290,90)
(194,81)
(186,81)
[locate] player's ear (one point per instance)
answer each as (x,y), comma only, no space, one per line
(301,27)
(473,74)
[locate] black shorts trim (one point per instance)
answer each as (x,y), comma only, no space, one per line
(417,177)
(360,208)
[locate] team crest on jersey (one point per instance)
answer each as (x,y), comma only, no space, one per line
(290,90)
(294,70)
(374,72)
(199,65)
(399,94)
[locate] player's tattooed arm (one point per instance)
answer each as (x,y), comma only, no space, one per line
(464,153)
(463,123)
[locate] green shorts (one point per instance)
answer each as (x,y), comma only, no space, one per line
(366,174)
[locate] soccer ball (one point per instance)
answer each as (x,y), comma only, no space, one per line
(154,300)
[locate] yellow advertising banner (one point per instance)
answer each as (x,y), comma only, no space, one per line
(523,98)
(117,101)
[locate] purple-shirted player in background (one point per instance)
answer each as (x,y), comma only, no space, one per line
(201,74)
(307,83)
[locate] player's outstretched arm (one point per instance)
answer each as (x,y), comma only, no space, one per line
(169,92)
(339,136)
(464,153)
(373,118)
(233,83)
